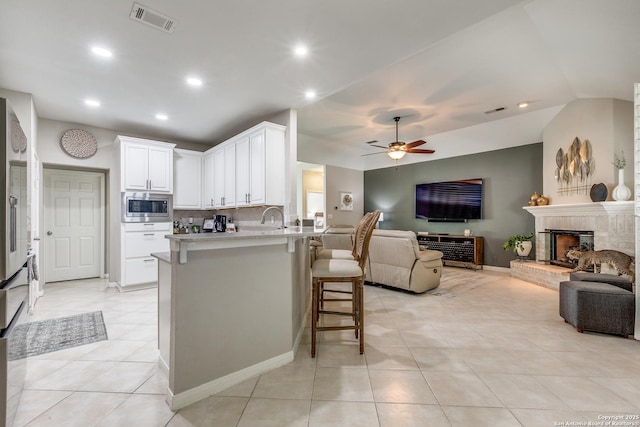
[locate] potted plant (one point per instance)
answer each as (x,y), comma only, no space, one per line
(519,243)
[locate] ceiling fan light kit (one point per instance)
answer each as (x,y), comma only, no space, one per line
(397,149)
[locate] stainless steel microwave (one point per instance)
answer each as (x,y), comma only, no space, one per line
(146,207)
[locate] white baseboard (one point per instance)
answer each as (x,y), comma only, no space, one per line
(495,268)
(200,392)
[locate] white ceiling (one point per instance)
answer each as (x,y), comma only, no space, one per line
(438,63)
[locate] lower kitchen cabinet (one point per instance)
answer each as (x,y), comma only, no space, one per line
(138,241)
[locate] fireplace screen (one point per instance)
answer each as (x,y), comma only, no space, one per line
(559,242)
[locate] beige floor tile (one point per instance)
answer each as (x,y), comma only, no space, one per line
(460,389)
(341,414)
(439,359)
(158,383)
(72,376)
(73,353)
(382,357)
(545,417)
(401,387)
(244,389)
(123,377)
(627,388)
(139,410)
(423,336)
(275,413)
(35,402)
(218,411)
(114,350)
(480,417)
(404,415)
(79,410)
(147,353)
(340,356)
(342,384)
(522,391)
(40,368)
(287,382)
(376,335)
(491,361)
(584,394)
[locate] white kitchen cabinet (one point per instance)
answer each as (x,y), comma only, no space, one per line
(208,181)
(187,174)
(138,241)
(260,165)
(145,165)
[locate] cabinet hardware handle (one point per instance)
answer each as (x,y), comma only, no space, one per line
(149,234)
(148,260)
(148,223)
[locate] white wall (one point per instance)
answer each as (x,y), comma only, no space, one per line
(339,180)
(608,125)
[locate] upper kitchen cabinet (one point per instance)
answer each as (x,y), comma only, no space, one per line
(224,179)
(260,165)
(145,165)
(187,183)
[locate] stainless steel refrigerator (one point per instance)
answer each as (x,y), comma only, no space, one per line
(13,255)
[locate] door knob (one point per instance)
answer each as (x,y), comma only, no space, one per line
(49,233)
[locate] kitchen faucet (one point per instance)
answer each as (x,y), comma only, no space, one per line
(275,208)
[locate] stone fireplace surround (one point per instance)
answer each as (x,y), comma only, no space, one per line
(613,225)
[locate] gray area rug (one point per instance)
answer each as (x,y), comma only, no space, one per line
(45,336)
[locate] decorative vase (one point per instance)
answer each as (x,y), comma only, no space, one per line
(621,192)
(523,248)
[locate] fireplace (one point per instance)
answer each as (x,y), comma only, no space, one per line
(559,242)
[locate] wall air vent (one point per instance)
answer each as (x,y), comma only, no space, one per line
(152,18)
(495,110)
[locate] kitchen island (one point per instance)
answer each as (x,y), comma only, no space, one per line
(230,306)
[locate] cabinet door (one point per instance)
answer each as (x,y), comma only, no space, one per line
(160,170)
(140,270)
(136,167)
(187,177)
(257,147)
(208,173)
(230,175)
(218,179)
(242,172)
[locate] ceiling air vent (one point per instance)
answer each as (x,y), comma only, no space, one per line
(152,18)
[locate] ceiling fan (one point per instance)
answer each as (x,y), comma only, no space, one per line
(397,150)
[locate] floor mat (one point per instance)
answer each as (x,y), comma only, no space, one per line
(45,336)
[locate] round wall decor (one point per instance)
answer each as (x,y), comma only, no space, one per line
(79,143)
(18,138)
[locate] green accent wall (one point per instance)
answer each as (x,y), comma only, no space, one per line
(510,177)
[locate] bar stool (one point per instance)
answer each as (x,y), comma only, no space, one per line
(343,270)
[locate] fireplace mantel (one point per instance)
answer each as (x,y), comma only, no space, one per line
(582,209)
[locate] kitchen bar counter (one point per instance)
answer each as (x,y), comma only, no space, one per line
(183,243)
(230,306)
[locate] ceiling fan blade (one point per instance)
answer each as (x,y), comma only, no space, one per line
(371,142)
(420,151)
(371,154)
(379,146)
(416,143)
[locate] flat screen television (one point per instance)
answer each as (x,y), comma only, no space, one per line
(449,201)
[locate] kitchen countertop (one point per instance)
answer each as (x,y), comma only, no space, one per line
(247,234)
(184,243)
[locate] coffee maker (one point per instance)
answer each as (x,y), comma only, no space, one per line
(220,223)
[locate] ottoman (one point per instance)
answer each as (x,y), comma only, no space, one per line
(598,307)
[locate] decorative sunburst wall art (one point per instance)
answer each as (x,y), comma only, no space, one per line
(79,143)
(575,168)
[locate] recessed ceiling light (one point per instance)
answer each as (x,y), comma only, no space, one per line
(161,116)
(92,102)
(310,94)
(101,51)
(194,81)
(523,104)
(301,51)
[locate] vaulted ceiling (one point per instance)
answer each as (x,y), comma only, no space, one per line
(440,64)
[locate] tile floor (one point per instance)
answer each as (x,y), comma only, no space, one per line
(489,350)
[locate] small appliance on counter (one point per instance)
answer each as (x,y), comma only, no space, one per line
(208,225)
(220,223)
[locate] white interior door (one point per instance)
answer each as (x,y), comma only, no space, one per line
(74,212)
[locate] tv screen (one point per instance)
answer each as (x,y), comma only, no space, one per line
(455,201)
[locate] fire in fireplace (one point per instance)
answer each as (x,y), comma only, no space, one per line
(559,242)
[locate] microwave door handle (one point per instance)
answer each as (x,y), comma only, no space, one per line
(13,206)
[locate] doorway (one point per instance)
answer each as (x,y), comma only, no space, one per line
(74,224)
